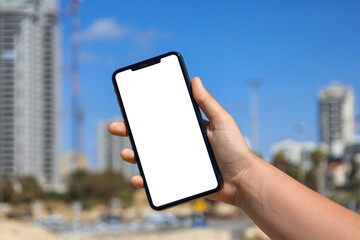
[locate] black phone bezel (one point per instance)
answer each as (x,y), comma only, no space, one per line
(147,63)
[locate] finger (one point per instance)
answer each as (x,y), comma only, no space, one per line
(128,155)
(118,128)
(137,181)
(206,101)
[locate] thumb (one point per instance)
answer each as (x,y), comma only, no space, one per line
(212,109)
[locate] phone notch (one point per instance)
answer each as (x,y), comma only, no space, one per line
(145,64)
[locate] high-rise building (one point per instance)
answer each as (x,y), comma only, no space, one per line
(29,74)
(109,148)
(337,117)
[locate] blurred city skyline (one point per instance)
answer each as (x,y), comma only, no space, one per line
(304,57)
(295,49)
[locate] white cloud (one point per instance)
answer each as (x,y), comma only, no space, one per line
(109,29)
(104,28)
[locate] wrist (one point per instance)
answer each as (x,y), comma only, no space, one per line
(247,183)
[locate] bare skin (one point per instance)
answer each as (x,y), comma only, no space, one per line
(282,207)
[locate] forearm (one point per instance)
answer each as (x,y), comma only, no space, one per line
(286,209)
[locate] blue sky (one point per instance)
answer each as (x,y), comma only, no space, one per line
(294,47)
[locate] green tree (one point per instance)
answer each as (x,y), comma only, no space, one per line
(30,189)
(315,178)
(317,157)
(90,188)
(279,161)
(310,179)
(8,193)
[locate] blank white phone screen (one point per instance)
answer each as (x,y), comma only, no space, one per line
(170,145)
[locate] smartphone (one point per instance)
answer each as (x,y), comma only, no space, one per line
(166,131)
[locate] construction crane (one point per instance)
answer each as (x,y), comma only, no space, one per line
(77,113)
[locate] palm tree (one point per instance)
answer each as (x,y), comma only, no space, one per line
(319,167)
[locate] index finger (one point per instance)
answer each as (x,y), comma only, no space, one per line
(118,128)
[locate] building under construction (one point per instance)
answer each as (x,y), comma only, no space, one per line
(29,87)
